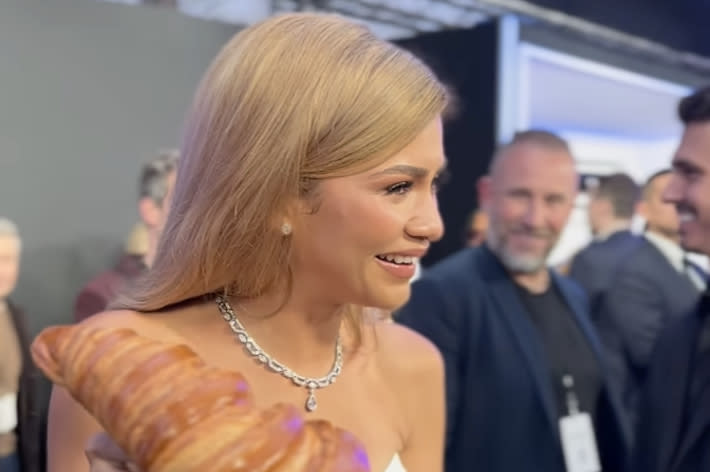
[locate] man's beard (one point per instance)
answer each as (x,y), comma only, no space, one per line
(516,263)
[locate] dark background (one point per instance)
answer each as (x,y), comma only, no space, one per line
(680,24)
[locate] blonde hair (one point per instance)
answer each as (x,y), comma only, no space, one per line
(290,101)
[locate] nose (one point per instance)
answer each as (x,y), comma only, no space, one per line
(534,216)
(426,223)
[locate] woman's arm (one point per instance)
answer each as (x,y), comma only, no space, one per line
(69,429)
(417,367)
(424,447)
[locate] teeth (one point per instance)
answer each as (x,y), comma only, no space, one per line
(686,217)
(399,259)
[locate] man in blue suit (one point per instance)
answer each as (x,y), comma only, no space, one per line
(521,357)
(611,207)
(674,428)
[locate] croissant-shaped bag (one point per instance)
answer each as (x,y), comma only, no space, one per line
(171,413)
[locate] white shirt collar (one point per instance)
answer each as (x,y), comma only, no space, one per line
(670,250)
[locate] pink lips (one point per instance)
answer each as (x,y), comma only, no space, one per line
(402,271)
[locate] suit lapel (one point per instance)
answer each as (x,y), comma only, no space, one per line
(582,319)
(699,420)
(675,389)
(683,288)
(511,309)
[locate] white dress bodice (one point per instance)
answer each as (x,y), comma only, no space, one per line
(395,465)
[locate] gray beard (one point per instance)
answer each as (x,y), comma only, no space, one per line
(514,263)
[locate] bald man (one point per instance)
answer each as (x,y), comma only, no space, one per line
(523,365)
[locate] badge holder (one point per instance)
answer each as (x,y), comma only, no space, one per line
(579,443)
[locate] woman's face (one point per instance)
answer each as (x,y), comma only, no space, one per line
(369,230)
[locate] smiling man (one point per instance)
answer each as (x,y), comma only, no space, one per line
(522,362)
(674,429)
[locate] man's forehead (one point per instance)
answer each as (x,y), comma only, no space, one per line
(693,152)
(536,171)
(697,136)
(535,158)
(535,186)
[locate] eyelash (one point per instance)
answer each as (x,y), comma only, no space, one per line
(401,188)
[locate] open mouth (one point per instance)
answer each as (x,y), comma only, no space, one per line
(686,217)
(397,259)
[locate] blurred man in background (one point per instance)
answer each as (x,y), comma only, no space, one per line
(20,420)
(476,228)
(611,207)
(652,287)
(155,187)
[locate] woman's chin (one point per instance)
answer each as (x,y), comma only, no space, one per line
(394,299)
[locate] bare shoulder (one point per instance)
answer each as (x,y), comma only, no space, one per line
(413,369)
(406,354)
(148,325)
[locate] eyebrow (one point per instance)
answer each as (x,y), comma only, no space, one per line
(684,165)
(411,171)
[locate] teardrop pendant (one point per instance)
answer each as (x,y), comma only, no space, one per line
(311,403)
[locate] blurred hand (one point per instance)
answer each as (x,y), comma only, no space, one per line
(106,456)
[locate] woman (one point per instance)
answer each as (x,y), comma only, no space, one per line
(306,190)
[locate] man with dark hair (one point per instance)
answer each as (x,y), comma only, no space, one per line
(674,428)
(652,287)
(155,187)
(612,204)
(522,360)
(611,207)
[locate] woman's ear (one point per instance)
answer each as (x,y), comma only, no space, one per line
(286,220)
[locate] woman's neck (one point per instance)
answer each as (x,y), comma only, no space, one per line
(300,335)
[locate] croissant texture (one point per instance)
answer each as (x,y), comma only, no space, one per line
(171,413)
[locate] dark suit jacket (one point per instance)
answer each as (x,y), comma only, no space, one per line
(646,293)
(102,289)
(594,266)
(29,428)
(501,411)
(663,442)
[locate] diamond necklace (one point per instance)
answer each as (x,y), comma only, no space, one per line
(254,350)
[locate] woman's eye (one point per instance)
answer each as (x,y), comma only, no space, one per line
(399,188)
